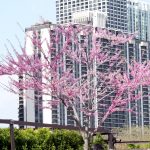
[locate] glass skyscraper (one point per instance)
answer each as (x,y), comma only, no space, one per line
(139,19)
(118,15)
(130,16)
(139,50)
(115,10)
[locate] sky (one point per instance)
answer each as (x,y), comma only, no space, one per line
(15,16)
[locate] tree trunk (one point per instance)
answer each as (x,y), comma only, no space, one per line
(86,144)
(86,139)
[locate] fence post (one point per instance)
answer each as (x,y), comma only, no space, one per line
(12,138)
(111,141)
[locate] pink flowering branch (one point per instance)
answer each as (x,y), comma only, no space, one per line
(85,71)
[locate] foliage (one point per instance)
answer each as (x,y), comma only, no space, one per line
(96,52)
(135,134)
(25,139)
(67,140)
(98,140)
(4,139)
(133,146)
(42,139)
(83,68)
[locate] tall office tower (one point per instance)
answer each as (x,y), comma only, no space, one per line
(139,19)
(133,16)
(31,101)
(115,10)
(99,19)
(140,51)
(111,14)
(94,18)
(32,104)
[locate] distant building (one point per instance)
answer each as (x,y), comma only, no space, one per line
(115,10)
(140,51)
(139,19)
(32,104)
(31,101)
(110,14)
(94,18)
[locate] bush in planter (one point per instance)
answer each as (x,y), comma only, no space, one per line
(42,139)
(73,139)
(48,142)
(4,139)
(42,134)
(67,140)
(25,139)
(99,143)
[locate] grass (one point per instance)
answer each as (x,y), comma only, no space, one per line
(135,134)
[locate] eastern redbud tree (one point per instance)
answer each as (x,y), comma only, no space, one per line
(82,67)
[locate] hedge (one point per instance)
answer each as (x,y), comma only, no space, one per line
(42,139)
(45,139)
(99,143)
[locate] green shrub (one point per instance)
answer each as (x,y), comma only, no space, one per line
(133,146)
(25,139)
(67,140)
(4,139)
(42,139)
(42,135)
(48,142)
(98,140)
(73,139)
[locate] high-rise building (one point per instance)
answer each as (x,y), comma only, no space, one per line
(32,104)
(139,19)
(111,14)
(115,10)
(125,15)
(94,18)
(132,16)
(139,51)
(31,101)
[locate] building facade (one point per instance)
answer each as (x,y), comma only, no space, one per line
(94,18)
(139,19)
(132,16)
(140,51)
(33,105)
(115,10)
(31,101)
(118,15)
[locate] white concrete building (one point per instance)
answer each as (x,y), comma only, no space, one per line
(94,18)
(31,103)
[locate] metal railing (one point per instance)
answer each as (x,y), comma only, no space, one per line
(51,126)
(111,139)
